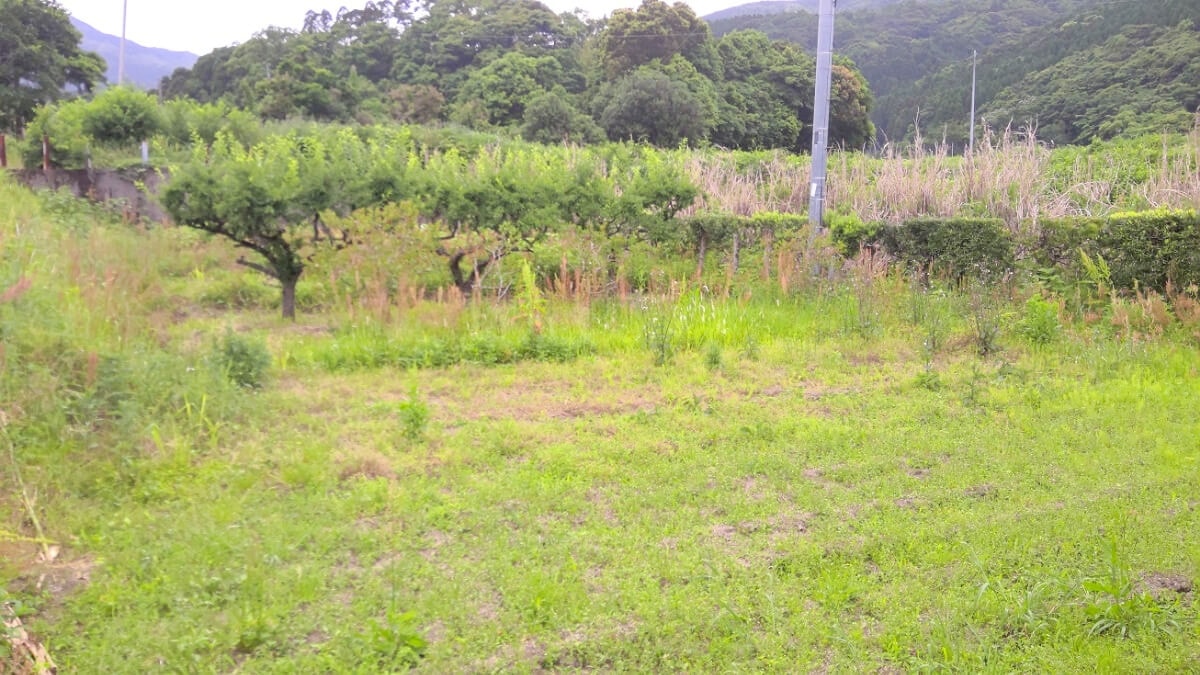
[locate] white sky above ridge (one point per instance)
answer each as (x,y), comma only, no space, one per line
(200,27)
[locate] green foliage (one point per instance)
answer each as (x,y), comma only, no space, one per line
(850,233)
(778,223)
(414,415)
(121,115)
(245,361)
(394,642)
(960,247)
(62,124)
(1079,71)
(1119,608)
(39,58)
(679,32)
(185,120)
(503,65)
(648,106)
(1146,73)
(550,118)
(1137,250)
(1040,324)
(504,87)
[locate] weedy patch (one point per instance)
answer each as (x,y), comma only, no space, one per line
(830,475)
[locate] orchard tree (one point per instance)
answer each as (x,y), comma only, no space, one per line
(39,58)
(268,199)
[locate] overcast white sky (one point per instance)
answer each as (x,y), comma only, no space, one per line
(200,26)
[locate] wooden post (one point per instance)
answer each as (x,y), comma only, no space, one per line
(45,152)
(3,153)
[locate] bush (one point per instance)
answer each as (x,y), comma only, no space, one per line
(122,115)
(63,125)
(245,361)
(1148,248)
(850,233)
(961,247)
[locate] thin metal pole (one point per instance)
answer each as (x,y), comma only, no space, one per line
(820,139)
(971,143)
(121,53)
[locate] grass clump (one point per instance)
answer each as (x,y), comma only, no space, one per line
(244,360)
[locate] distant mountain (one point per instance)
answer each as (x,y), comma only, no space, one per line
(144,66)
(769,7)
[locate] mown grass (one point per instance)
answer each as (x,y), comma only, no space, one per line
(831,479)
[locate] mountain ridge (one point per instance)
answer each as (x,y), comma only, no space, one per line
(144,66)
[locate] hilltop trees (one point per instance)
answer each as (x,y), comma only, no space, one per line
(653,74)
(39,57)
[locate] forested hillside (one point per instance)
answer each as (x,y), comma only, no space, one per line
(654,74)
(781,6)
(916,55)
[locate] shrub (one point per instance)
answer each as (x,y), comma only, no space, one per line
(850,233)
(1148,248)
(63,125)
(1142,250)
(245,361)
(122,115)
(1040,323)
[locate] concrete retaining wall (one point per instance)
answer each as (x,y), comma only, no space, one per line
(134,188)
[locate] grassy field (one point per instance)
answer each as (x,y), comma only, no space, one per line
(856,475)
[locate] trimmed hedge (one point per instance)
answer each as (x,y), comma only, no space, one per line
(962,247)
(1143,250)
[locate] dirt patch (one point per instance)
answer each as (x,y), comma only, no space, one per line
(723,531)
(1168,586)
(906,503)
(981,491)
(44,571)
(48,572)
(541,400)
(918,473)
(816,393)
(753,489)
(366,466)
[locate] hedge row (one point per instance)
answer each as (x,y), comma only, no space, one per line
(1141,250)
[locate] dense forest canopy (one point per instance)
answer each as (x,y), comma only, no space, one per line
(655,73)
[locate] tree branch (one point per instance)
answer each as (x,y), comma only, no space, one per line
(258,267)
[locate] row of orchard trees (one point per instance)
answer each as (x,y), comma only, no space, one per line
(280,199)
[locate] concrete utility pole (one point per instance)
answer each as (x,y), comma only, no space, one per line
(971,144)
(121,52)
(820,139)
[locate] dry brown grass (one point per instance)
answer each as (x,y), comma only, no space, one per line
(1009,175)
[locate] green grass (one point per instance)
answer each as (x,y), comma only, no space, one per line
(833,480)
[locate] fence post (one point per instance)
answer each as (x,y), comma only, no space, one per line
(45,152)
(3,153)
